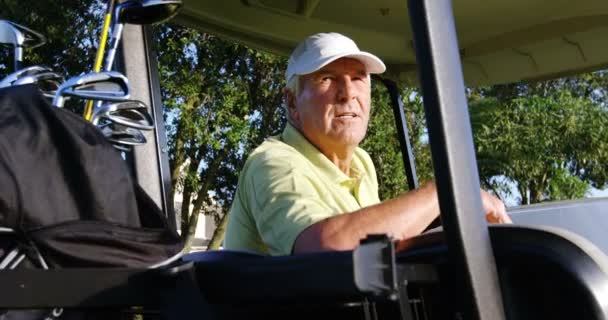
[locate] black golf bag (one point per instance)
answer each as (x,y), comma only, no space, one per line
(67,198)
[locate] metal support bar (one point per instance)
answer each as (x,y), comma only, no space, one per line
(404,302)
(161,147)
(369,310)
(467,235)
(402,132)
(151,162)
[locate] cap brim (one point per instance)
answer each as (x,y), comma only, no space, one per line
(372,63)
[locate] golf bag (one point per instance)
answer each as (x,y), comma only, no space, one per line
(67,198)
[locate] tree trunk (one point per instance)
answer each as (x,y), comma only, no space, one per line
(218,234)
(185,210)
(536,195)
(179,150)
(523,191)
(188,236)
(537,189)
(210,175)
(187,197)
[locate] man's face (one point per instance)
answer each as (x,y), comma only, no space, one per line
(333,104)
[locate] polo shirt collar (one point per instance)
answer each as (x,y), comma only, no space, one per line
(294,138)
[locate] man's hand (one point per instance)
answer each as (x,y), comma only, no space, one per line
(494,209)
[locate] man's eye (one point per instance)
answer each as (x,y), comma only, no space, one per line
(328,78)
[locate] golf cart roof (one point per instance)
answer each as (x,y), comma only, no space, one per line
(500,41)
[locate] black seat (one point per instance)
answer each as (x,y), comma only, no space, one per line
(545,273)
(239,277)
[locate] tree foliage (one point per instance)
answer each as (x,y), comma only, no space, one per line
(551,147)
(222,99)
(383,145)
(535,141)
(69,50)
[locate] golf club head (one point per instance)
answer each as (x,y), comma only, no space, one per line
(147,11)
(46,81)
(29,71)
(121,135)
(122,148)
(19,37)
(132,113)
(105,86)
(138,12)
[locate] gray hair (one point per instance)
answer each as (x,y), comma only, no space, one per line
(293,86)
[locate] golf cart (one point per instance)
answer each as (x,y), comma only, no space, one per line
(465,271)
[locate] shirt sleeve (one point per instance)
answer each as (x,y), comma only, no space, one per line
(285,200)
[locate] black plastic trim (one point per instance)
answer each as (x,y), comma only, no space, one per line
(441,79)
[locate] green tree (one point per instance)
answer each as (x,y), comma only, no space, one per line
(550,147)
(221,99)
(383,145)
(593,86)
(69,50)
(540,105)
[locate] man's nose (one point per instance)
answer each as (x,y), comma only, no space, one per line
(346,90)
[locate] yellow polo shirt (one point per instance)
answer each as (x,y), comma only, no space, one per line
(286,185)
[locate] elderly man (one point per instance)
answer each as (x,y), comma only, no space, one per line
(312,188)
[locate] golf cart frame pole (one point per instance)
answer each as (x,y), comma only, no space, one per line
(137,59)
(466,232)
(402,132)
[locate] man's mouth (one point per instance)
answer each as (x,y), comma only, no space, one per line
(347,115)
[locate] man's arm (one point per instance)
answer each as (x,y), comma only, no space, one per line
(402,217)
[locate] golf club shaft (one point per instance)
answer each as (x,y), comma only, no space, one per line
(109,62)
(116,35)
(100,51)
(18,57)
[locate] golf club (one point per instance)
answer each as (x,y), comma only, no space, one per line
(133,114)
(19,37)
(107,86)
(32,70)
(138,12)
(100,50)
(134,12)
(122,148)
(124,136)
(47,81)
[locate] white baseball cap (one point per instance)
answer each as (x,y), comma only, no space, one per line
(321,49)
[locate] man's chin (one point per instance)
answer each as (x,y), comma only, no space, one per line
(349,139)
